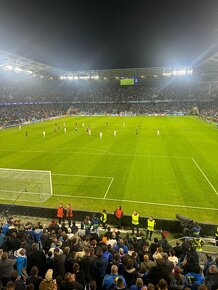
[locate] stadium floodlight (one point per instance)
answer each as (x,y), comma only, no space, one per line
(95,77)
(8,67)
(18,69)
(75,78)
(84,77)
(28,72)
(25,185)
(70,78)
(178,71)
(190,71)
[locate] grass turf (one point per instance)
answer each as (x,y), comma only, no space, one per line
(175,172)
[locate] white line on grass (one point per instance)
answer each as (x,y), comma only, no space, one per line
(78,175)
(112,179)
(135,201)
(24,192)
(98,153)
(214,189)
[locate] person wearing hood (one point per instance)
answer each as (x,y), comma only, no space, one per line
(21,261)
(130,273)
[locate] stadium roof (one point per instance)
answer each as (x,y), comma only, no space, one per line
(9,61)
(36,68)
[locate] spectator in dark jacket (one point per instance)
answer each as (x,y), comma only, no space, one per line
(20,285)
(212,278)
(80,277)
(86,263)
(37,258)
(6,268)
(99,268)
(34,278)
(130,273)
(59,263)
(70,283)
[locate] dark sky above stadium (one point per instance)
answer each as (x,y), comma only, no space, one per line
(103,34)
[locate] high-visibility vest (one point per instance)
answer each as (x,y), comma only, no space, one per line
(216,234)
(150,225)
(69,212)
(135,219)
(87,226)
(60,212)
(198,244)
(103,217)
(118,213)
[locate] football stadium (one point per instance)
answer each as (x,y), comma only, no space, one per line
(110,138)
(108,145)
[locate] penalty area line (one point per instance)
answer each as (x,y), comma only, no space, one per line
(136,201)
(214,189)
(112,179)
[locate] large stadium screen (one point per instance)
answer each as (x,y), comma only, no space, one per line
(130,81)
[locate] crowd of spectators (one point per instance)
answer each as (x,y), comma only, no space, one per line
(20,102)
(60,257)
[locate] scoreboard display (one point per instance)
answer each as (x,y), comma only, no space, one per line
(129,81)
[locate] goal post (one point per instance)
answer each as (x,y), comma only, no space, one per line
(25,185)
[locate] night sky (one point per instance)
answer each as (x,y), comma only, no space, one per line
(102,34)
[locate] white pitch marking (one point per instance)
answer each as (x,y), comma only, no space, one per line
(112,179)
(24,192)
(77,175)
(135,201)
(99,153)
(214,189)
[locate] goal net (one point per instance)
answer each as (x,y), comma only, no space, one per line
(25,185)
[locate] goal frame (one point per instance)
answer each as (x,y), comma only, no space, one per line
(39,193)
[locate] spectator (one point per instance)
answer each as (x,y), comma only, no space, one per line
(99,268)
(34,278)
(36,258)
(130,273)
(6,268)
(139,285)
(162,285)
(70,283)
(10,286)
(21,262)
(19,283)
(59,263)
(110,279)
(48,283)
(121,245)
(120,284)
(212,278)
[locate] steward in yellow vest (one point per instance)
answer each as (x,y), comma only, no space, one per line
(198,243)
(150,227)
(103,219)
(135,222)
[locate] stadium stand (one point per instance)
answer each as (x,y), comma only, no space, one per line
(63,257)
(24,103)
(36,256)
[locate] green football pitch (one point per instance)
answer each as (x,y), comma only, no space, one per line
(176,172)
